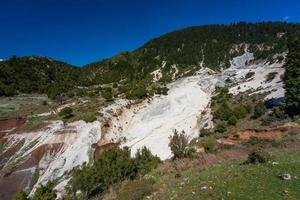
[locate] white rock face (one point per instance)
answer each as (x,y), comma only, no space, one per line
(151,123)
(73,147)
(186,107)
(258,83)
(241,61)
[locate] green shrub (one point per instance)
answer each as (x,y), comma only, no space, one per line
(139,92)
(145,160)
(112,166)
(66,113)
(221,127)
(178,144)
(45,192)
(204,132)
(107,94)
(240,112)
(249,75)
(258,156)
(271,76)
(209,144)
(259,110)
(232,120)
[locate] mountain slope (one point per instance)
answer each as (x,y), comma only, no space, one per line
(176,54)
(211,46)
(36,75)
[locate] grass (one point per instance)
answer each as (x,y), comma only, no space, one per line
(35,121)
(22,106)
(231,180)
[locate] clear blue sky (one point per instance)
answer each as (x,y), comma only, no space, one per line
(83,31)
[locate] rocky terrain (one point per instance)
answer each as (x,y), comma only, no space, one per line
(53,149)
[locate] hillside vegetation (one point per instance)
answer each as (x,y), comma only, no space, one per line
(176,54)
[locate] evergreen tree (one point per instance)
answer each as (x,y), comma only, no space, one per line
(45,192)
(292,78)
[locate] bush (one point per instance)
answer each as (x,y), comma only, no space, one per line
(178,144)
(240,112)
(66,113)
(106,93)
(204,132)
(271,76)
(249,75)
(232,120)
(139,92)
(145,160)
(221,127)
(209,144)
(259,110)
(112,166)
(45,192)
(162,90)
(258,156)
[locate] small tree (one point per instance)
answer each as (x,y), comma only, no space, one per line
(66,113)
(257,156)
(45,192)
(178,144)
(145,160)
(259,109)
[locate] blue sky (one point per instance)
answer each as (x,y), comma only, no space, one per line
(84,31)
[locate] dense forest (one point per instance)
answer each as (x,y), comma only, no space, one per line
(292,78)
(211,46)
(36,75)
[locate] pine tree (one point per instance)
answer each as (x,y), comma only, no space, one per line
(292,78)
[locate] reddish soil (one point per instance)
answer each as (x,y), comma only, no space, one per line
(37,154)
(9,153)
(11,123)
(264,134)
(13,183)
(272,133)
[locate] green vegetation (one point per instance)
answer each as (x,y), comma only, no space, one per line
(231,180)
(45,192)
(66,113)
(259,109)
(36,75)
(178,145)
(129,72)
(145,161)
(249,75)
(21,196)
(23,106)
(292,78)
(209,144)
(257,156)
(113,166)
(228,110)
(271,76)
(136,189)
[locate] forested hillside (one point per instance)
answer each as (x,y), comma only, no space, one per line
(212,45)
(36,75)
(175,54)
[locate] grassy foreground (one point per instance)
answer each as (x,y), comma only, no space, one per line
(233,180)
